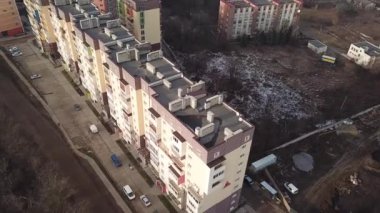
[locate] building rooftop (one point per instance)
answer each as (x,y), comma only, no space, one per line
(261,2)
(139,5)
(317,43)
(240,4)
(76,9)
(369,48)
(211,120)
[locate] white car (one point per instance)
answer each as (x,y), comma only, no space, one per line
(248,179)
(145,200)
(35,76)
(291,188)
(128,191)
(14,49)
(17,53)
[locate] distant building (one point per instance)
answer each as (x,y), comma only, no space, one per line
(142,18)
(317,46)
(248,17)
(106,6)
(39,19)
(10,21)
(364,54)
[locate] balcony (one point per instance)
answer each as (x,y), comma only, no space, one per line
(176,175)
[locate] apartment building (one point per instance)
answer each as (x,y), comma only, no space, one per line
(196,144)
(10,24)
(143,19)
(106,6)
(39,18)
(365,54)
(248,17)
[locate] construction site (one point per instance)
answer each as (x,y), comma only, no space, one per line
(288,92)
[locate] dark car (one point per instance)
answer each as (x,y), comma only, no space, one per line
(115,160)
(77,107)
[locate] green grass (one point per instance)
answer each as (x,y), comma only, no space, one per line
(167,203)
(136,164)
(96,159)
(76,87)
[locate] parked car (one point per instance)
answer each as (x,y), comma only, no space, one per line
(18,53)
(128,191)
(248,179)
(94,129)
(115,160)
(14,49)
(291,188)
(145,200)
(77,107)
(35,76)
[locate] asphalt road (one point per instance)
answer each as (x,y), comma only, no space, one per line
(35,121)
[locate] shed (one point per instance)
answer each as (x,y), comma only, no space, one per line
(264,162)
(329,57)
(317,46)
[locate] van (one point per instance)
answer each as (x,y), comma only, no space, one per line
(128,191)
(272,192)
(115,160)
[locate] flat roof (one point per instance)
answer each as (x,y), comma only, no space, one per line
(317,43)
(261,2)
(71,8)
(369,48)
(240,4)
(159,78)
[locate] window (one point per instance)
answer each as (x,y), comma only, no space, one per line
(245,145)
(242,155)
(238,172)
(219,174)
(216,154)
(241,163)
(215,184)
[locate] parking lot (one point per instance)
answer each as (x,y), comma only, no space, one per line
(61,97)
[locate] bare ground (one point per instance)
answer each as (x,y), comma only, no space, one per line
(30,116)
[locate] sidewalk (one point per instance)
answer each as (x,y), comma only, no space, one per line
(61,96)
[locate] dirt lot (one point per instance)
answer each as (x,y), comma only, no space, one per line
(29,115)
(336,157)
(284,90)
(340,31)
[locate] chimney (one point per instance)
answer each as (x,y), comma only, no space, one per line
(210,116)
(180,92)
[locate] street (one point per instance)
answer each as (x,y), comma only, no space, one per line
(61,97)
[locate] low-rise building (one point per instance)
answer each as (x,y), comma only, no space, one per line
(10,24)
(364,54)
(317,46)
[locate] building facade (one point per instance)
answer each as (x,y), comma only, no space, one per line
(248,17)
(106,6)
(143,19)
(195,144)
(39,18)
(365,54)
(10,24)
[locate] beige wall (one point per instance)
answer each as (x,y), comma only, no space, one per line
(9,16)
